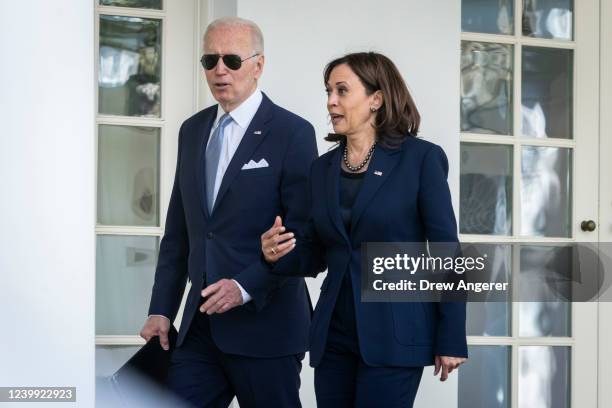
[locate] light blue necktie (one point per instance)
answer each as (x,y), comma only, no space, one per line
(213,154)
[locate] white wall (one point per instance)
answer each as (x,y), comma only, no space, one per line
(47,187)
(422,38)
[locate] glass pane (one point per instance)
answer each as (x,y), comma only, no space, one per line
(488,319)
(492,318)
(540,319)
(486,87)
(486,16)
(128,175)
(538,265)
(548,18)
(484,379)
(485,189)
(547,95)
(546,191)
(130,66)
(125,268)
(544,377)
(148,4)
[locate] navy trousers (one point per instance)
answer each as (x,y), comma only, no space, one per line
(344,380)
(203,376)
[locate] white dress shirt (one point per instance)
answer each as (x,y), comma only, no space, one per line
(232,136)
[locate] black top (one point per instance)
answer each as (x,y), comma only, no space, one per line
(343,326)
(350,183)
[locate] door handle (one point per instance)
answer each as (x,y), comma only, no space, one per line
(588,226)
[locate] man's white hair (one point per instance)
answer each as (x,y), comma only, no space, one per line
(257,40)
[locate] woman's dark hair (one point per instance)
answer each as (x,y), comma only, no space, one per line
(398,116)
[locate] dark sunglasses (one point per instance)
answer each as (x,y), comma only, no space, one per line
(232,61)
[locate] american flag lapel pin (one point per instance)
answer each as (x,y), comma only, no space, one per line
(378,173)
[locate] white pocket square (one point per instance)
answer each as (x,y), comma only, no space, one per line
(255,165)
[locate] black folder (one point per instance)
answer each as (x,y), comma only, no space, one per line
(150,363)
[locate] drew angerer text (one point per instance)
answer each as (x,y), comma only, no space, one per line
(425,285)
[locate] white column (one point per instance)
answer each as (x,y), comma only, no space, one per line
(47,207)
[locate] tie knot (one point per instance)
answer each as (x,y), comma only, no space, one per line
(225,120)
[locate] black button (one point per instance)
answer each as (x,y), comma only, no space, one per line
(210,235)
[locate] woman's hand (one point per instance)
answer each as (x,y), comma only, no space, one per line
(275,244)
(448,364)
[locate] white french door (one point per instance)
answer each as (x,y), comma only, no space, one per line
(529,175)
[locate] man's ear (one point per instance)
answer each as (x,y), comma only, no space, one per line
(259,64)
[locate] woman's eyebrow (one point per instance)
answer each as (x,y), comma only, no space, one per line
(327,85)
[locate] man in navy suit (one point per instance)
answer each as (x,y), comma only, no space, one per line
(244,331)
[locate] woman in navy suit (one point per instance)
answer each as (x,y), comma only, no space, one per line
(380,184)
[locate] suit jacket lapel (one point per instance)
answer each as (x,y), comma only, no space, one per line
(333,191)
(204,133)
(247,146)
(383,162)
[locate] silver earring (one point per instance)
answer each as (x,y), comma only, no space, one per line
(373,109)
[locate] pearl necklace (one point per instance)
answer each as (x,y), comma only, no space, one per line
(360,165)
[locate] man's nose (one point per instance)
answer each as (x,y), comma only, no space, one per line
(220,68)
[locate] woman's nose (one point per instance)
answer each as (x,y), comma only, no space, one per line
(332,100)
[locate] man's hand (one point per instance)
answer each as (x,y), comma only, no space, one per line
(448,364)
(157,326)
(222,296)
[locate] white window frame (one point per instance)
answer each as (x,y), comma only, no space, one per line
(179,76)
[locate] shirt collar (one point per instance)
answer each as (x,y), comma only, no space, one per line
(245,112)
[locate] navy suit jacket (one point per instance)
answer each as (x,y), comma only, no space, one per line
(408,200)
(207,247)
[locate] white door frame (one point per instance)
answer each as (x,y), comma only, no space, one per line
(605,195)
(584,358)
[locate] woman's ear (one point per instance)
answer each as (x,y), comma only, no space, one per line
(377,100)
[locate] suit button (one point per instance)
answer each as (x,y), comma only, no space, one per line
(210,235)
